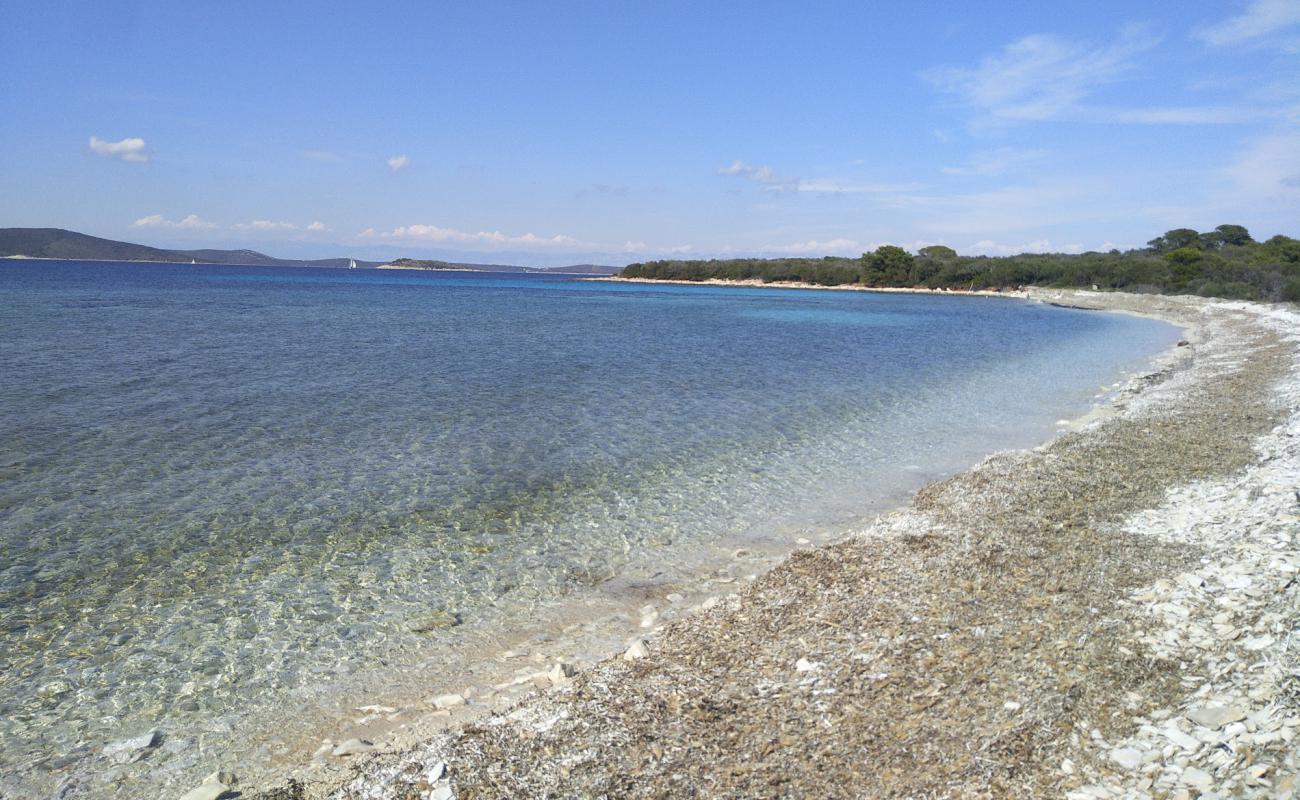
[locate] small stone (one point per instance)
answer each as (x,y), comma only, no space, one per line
(438,620)
(436,772)
(804,665)
(442,792)
(675,597)
(352,747)
(1214,717)
(1129,758)
(448,701)
(561,673)
(210,789)
(127,751)
(1011,705)
(636,650)
(1197,778)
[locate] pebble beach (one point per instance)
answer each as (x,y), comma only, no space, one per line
(1110,615)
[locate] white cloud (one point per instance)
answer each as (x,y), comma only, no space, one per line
(1040,77)
(399,163)
(265,225)
(486,239)
(1261,18)
(835,186)
(191,222)
(813,246)
(759,174)
(988,247)
(995,162)
(126,150)
(317,226)
(1267,172)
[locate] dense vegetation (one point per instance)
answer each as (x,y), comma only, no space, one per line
(1224,262)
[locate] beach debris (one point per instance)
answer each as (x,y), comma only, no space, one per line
(128,751)
(352,747)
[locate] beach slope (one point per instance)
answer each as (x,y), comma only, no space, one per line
(1112,614)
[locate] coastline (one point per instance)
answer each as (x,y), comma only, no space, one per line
(787,674)
(844,287)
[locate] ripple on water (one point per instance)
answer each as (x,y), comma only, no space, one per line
(225,487)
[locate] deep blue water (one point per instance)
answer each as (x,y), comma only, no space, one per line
(220,483)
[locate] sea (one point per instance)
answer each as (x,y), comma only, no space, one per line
(226,491)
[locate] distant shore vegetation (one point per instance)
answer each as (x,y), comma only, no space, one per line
(1225,262)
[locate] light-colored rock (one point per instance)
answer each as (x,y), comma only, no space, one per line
(1197,778)
(1127,757)
(1214,717)
(561,673)
(352,747)
(635,650)
(127,751)
(442,792)
(448,701)
(211,789)
(804,665)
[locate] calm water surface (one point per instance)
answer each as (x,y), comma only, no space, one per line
(220,485)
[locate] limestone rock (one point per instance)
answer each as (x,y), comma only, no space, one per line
(352,747)
(127,751)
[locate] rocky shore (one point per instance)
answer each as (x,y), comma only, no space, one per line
(1111,615)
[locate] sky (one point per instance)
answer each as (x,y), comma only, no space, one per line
(611,132)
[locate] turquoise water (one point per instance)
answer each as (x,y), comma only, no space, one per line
(220,485)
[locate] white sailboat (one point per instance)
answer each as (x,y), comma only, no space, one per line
(352,263)
(192,261)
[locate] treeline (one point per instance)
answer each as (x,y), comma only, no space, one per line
(1225,262)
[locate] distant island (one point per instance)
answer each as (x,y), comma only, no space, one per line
(453,266)
(1225,262)
(58,243)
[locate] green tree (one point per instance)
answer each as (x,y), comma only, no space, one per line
(887,266)
(1226,235)
(1172,240)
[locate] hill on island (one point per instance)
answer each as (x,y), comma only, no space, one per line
(60,243)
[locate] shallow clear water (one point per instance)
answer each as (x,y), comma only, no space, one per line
(227,483)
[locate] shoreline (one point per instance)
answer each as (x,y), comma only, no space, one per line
(843,287)
(518,750)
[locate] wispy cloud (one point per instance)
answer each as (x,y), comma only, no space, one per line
(1040,77)
(125,150)
(769,179)
(265,225)
(321,155)
(837,186)
(191,222)
(1261,19)
(435,234)
(988,247)
(317,226)
(995,162)
(764,175)
(1267,171)
(399,163)
(1043,77)
(815,247)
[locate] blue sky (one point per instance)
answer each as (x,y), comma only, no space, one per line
(554,133)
